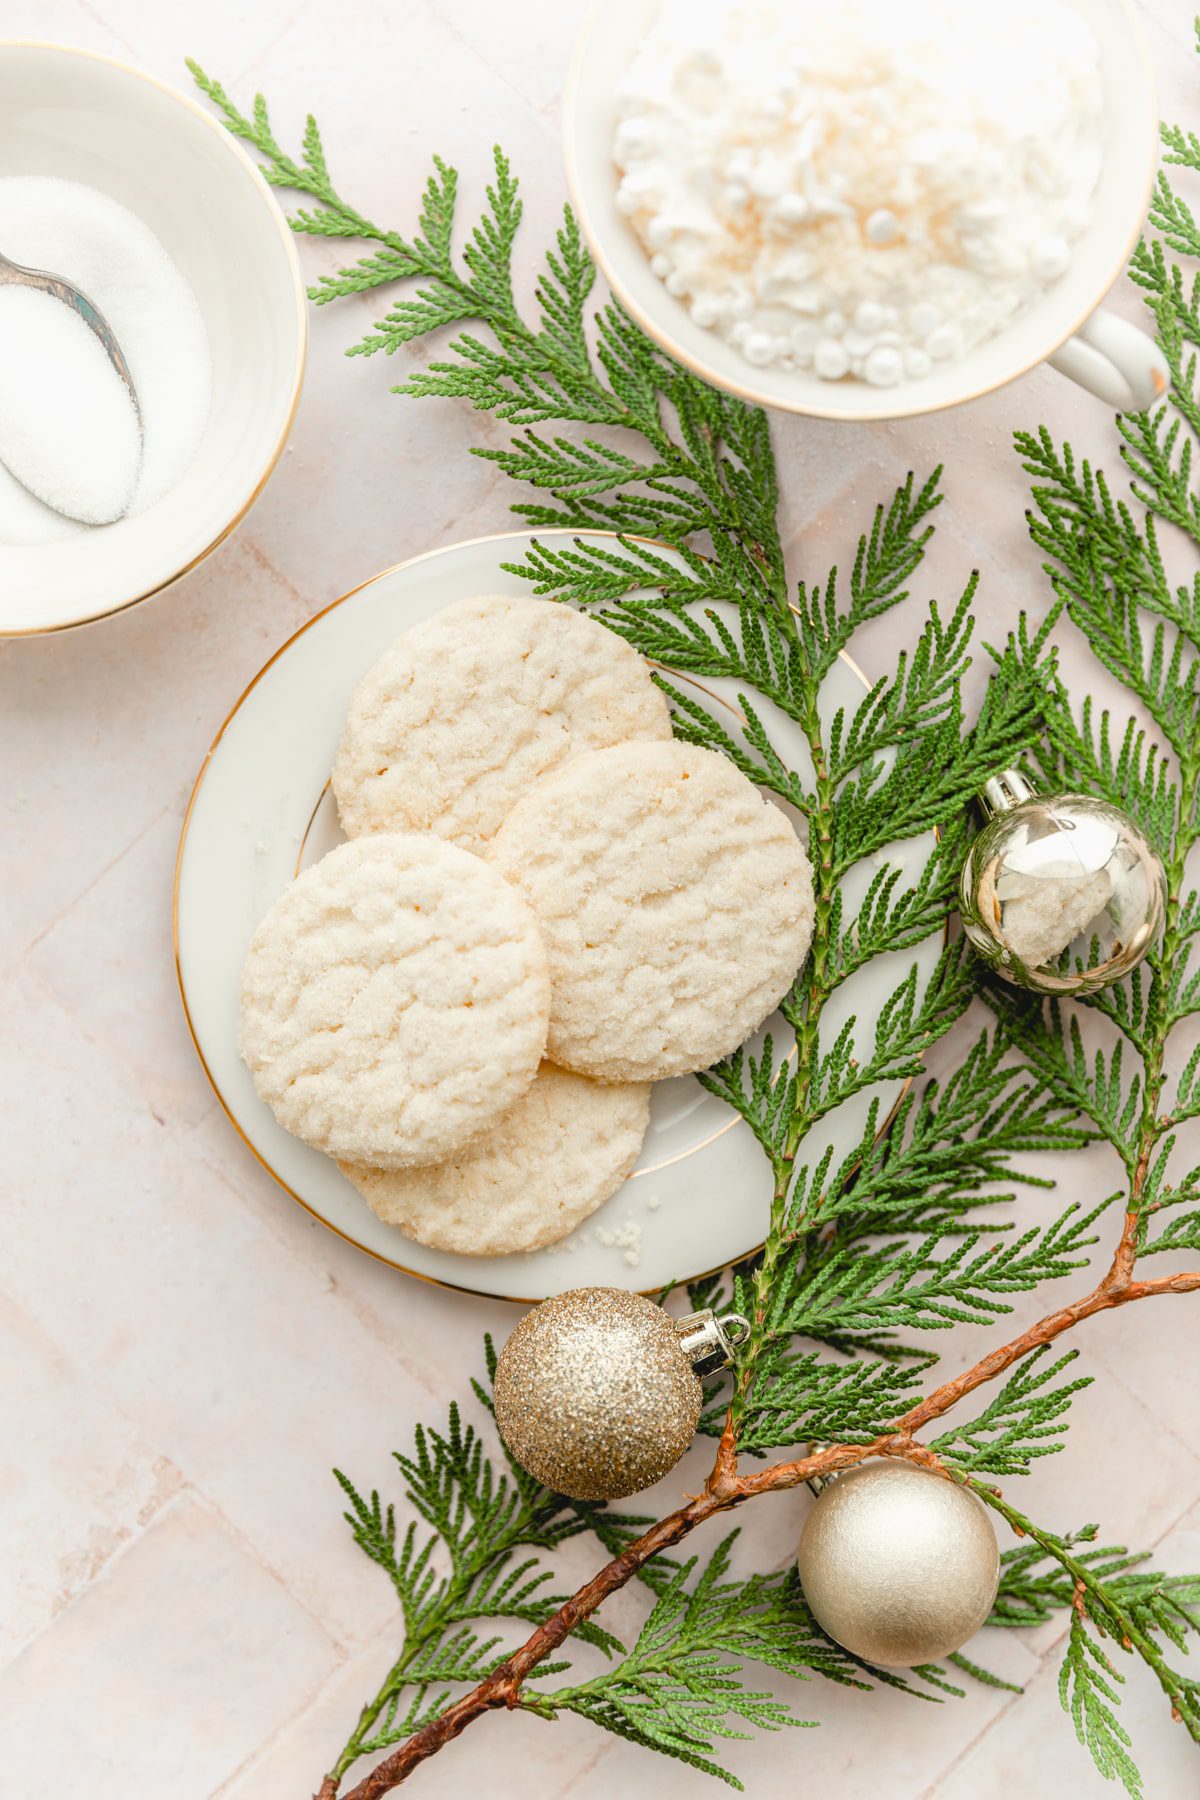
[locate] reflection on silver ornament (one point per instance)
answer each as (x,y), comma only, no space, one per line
(899,1565)
(597,1391)
(1064,874)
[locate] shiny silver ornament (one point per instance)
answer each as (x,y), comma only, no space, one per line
(1062,873)
(899,1565)
(597,1390)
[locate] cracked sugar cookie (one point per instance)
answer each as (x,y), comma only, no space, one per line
(676,905)
(560,1152)
(466,710)
(394,1001)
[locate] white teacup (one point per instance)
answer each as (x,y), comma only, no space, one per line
(1066,328)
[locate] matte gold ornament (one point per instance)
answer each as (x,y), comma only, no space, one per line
(597,1391)
(899,1565)
(1068,872)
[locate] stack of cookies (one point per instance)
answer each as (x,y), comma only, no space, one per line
(546,904)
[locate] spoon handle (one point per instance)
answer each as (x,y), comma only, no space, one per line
(13,274)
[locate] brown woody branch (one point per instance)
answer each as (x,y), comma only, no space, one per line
(726,1489)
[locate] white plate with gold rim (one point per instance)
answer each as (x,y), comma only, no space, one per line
(261,808)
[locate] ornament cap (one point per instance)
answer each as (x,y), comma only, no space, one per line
(709,1343)
(815,1483)
(1004,791)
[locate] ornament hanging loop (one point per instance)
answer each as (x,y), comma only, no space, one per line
(709,1343)
(1004,791)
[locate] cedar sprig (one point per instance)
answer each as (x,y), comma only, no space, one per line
(868,1257)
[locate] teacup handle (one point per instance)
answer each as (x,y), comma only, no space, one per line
(1115,361)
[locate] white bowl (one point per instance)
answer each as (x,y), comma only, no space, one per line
(1110,357)
(85,118)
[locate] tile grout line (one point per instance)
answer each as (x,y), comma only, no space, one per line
(367,1316)
(534,112)
(265,50)
(21,957)
(247,1764)
(250,543)
(190,1489)
(603,1750)
(98,18)
(158,1461)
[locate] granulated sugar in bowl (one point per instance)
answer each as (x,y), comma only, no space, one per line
(54,364)
(139,197)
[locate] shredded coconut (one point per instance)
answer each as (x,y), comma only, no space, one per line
(116,260)
(862,190)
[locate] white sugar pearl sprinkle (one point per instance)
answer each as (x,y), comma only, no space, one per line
(884,366)
(830,359)
(923,318)
(943,343)
(1050,258)
(769,178)
(868,316)
(883,226)
(792,209)
(759,348)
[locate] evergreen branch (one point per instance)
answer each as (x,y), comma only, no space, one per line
(727,1488)
(899,1236)
(1025,1419)
(676,1690)
(1132,1612)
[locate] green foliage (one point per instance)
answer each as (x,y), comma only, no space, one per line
(670,491)
(677,1688)
(1108,571)
(1117,1609)
(1024,1419)
(468,1567)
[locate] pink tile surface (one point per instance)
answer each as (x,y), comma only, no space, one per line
(127,1684)
(85,1481)
(189,1351)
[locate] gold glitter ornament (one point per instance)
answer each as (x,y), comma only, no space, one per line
(597,1391)
(899,1565)
(1054,873)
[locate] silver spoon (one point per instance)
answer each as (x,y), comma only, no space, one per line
(16,275)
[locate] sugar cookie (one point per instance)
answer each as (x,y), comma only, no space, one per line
(675,901)
(467,709)
(394,1001)
(561,1151)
